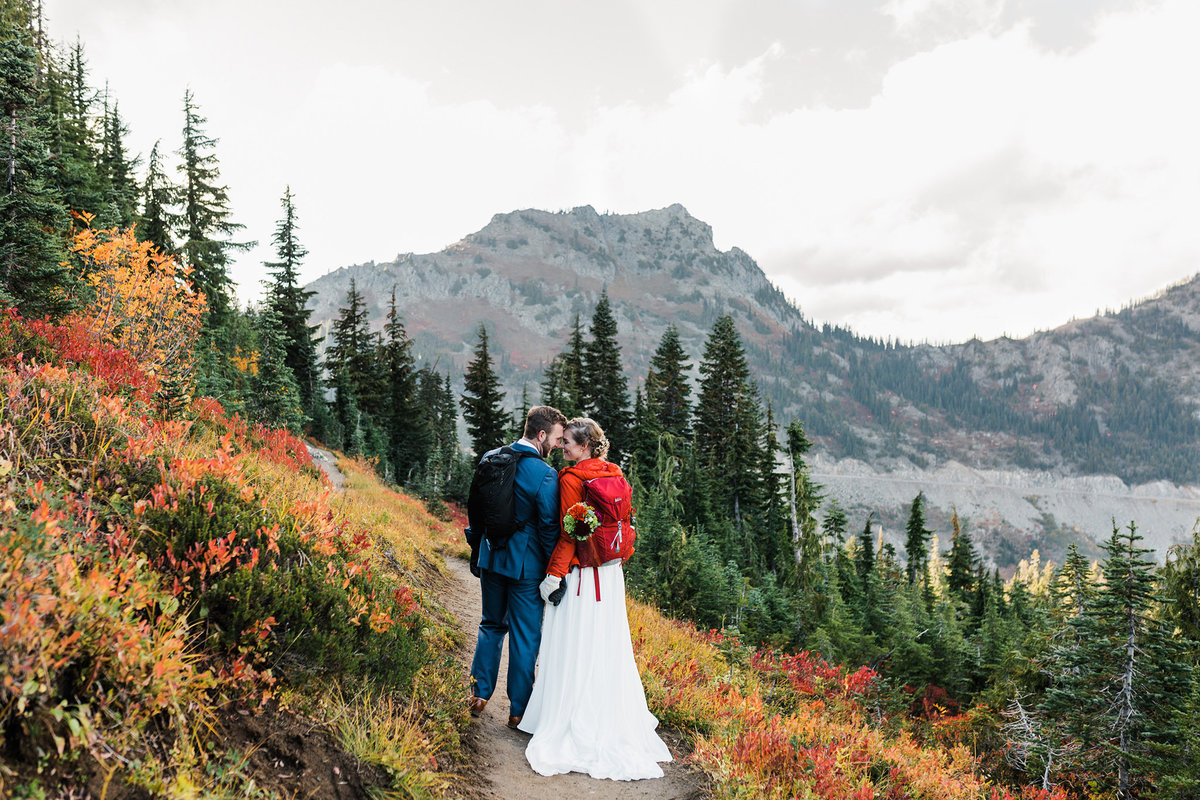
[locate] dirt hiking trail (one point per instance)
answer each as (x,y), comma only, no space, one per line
(496,765)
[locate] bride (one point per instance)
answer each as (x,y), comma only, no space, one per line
(588,710)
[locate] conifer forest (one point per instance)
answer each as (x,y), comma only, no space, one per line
(1067,680)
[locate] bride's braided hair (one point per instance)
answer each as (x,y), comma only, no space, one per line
(584,430)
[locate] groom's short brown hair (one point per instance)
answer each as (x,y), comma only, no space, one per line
(542,418)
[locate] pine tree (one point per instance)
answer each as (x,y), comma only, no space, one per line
(32,217)
(352,347)
(159,200)
(119,189)
(1120,677)
(644,435)
(574,402)
(668,394)
(804,500)
(603,387)
(834,524)
(916,541)
(516,428)
(728,422)
(74,143)
(961,561)
(481,400)
(273,398)
(289,300)
(1181,587)
(407,434)
(206,220)
(778,555)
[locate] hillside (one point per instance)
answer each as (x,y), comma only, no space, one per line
(191,610)
(1113,397)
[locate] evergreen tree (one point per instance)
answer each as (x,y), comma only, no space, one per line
(481,400)
(574,401)
(407,434)
(834,525)
(961,561)
(516,428)
(644,434)
(74,143)
(289,300)
(866,550)
(352,349)
(1177,761)
(1181,587)
(116,167)
(206,220)
(1121,678)
(805,499)
(916,541)
(603,387)
(159,199)
(273,398)
(728,420)
(668,394)
(32,275)
(776,551)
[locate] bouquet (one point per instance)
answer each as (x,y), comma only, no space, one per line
(577,514)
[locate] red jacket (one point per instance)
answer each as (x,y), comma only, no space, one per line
(570,492)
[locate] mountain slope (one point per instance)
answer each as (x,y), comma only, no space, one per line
(1115,395)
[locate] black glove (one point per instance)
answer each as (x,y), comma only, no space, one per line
(557,595)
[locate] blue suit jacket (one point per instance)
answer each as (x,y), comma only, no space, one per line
(528,551)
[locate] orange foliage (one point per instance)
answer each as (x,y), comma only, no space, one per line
(793,726)
(143,303)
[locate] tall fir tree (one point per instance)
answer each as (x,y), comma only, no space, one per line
(668,393)
(961,558)
(352,348)
(916,541)
(160,199)
(574,403)
(482,399)
(643,435)
(33,277)
(273,398)
(118,187)
(74,141)
(603,387)
(407,434)
(776,552)
(1120,677)
(206,222)
(728,420)
(289,300)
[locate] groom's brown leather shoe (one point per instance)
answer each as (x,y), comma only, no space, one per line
(477,704)
(513,722)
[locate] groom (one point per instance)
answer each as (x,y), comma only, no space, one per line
(509,577)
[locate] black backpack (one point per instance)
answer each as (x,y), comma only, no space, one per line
(492,503)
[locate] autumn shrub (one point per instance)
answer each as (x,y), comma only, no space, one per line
(141,301)
(263,584)
(782,726)
(93,649)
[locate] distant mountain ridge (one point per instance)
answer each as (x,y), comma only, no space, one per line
(1113,395)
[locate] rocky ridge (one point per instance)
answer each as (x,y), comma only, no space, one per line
(1039,441)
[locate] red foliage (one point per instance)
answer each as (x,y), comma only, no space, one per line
(73,343)
(933,704)
(814,676)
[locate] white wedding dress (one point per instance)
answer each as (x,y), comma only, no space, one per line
(588,709)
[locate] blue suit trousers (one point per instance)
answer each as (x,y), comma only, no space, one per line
(511,606)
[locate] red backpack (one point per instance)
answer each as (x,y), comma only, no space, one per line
(612,497)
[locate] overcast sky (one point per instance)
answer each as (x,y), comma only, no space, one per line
(919,169)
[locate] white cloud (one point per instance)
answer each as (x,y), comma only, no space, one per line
(990,184)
